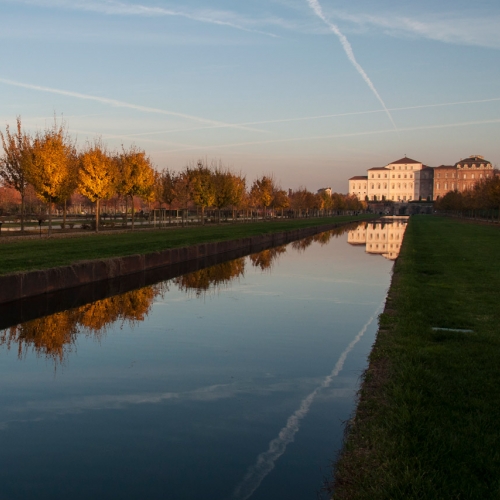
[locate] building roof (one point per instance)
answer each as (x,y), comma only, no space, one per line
(359,178)
(378,168)
(444,166)
(473,159)
(404,161)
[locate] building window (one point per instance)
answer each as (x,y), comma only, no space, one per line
(473,176)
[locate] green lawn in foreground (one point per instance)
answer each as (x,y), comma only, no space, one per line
(428,420)
(52,252)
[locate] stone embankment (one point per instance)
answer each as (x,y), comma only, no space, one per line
(18,286)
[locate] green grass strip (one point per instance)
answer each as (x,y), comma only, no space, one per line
(427,424)
(43,253)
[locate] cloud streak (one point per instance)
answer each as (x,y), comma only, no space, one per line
(445,28)
(316,7)
(123,104)
(346,135)
(112,7)
(266,460)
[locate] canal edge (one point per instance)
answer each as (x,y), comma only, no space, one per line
(16,286)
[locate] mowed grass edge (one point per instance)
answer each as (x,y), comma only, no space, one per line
(427,420)
(33,254)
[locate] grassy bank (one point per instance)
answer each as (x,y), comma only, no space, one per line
(33,253)
(427,423)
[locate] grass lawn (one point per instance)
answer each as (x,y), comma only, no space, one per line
(428,420)
(33,253)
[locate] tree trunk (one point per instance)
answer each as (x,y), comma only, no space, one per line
(22,212)
(133,212)
(64,215)
(97,216)
(50,219)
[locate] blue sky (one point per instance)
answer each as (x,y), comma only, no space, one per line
(313,91)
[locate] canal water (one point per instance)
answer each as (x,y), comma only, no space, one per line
(232,382)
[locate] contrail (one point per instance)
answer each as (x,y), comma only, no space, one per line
(337,136)
(317,117)
(266,460)
(122,104)
(316,7)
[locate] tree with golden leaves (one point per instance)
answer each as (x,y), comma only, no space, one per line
(238,191)
(281,200)
(136,176)
(202,187)
(98,175)
(262,191)
(51,171)
(223,189)
(165,189)
(15,161)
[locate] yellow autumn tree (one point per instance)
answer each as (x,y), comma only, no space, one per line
(202,187)
(51,171)
(136,176)
(15,161)
(262,192)
(98,175)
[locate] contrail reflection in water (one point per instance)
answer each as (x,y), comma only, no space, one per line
(265,461)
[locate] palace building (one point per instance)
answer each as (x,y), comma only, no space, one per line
(408,180)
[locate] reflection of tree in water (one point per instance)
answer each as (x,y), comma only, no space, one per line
(54,336)
(322,238)
(132,307)
(266,258)
(212,277)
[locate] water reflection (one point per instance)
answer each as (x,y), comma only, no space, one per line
(254,380)
(54,336)
(380,237)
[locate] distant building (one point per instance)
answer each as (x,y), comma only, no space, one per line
(327,190)
(409,180)
(461,176)
(358,186)
(401,180)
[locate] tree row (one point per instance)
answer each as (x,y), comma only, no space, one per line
(50,163)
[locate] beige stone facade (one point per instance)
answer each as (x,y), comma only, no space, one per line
(409,180)
(398,181)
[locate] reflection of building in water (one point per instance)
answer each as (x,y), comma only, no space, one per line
(381,238)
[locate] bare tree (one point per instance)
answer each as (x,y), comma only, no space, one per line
(15,162)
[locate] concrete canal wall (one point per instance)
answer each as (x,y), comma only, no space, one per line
(14,287)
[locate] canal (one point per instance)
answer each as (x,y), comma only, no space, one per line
(230,382)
